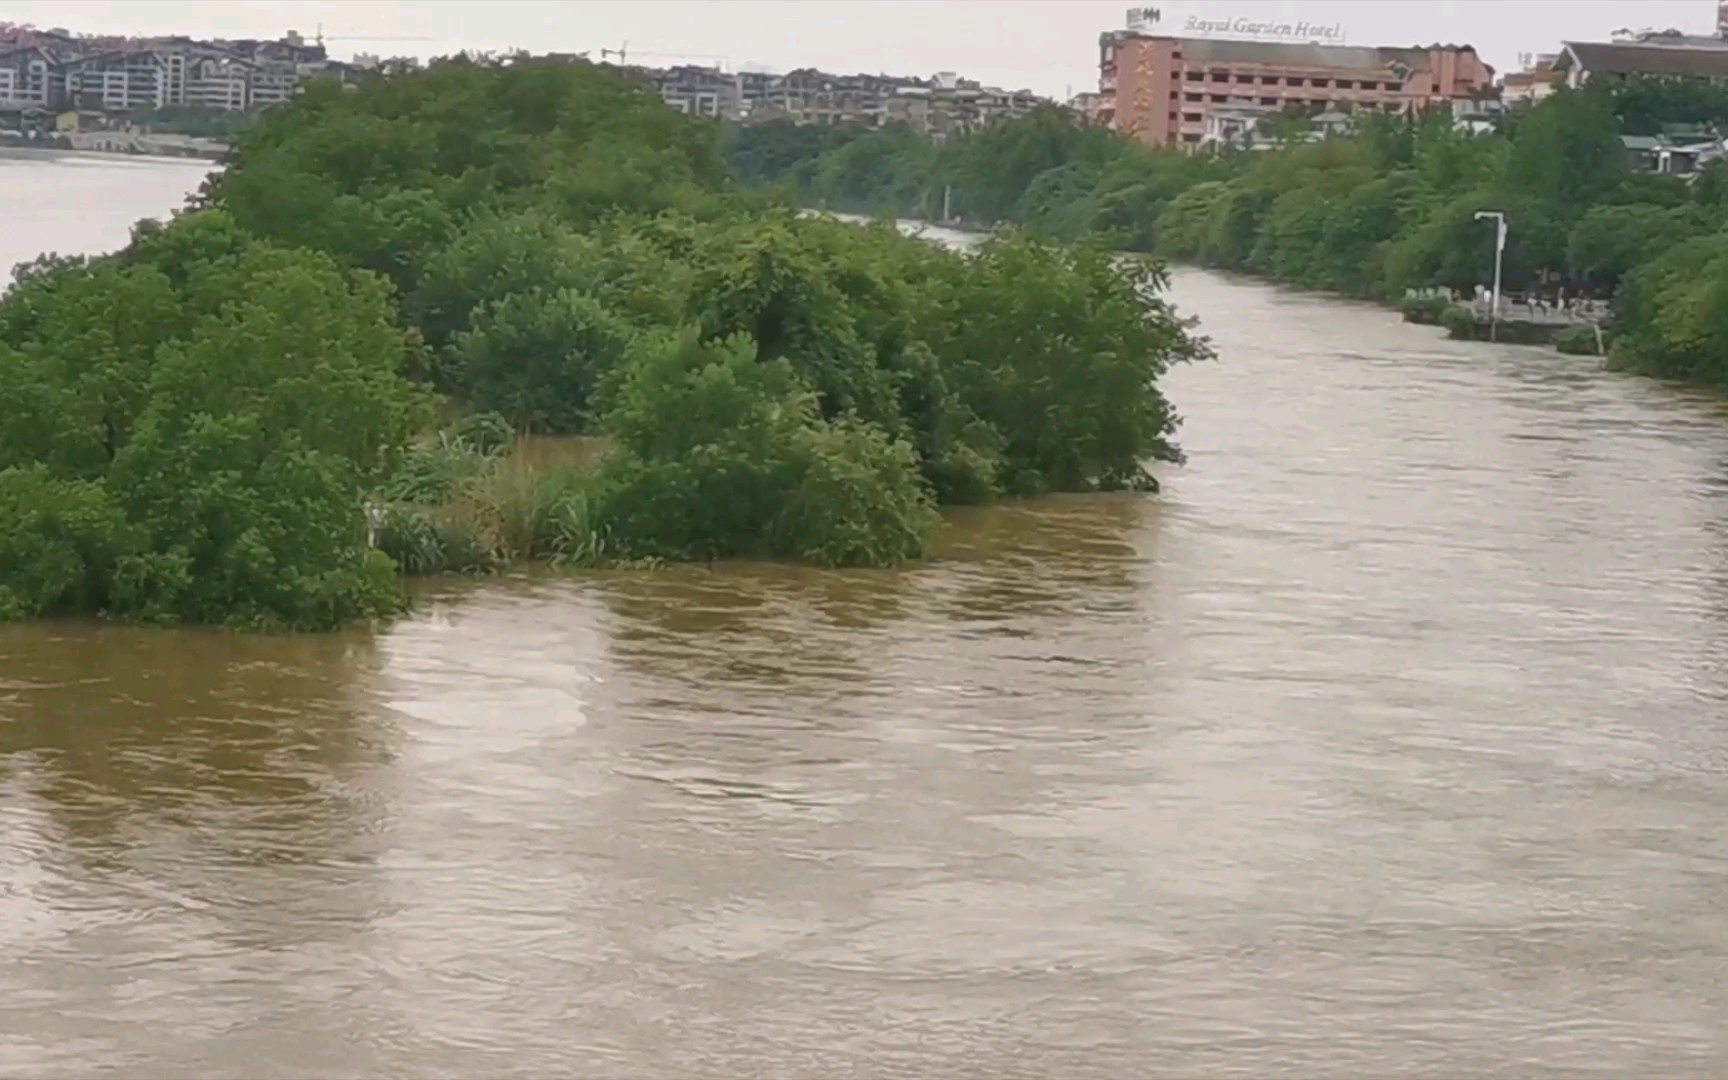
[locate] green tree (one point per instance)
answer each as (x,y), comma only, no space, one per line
(1060,350)
(249,467)
(1610,241)
(59,541)
(1674,314)
(193,441)
(1566,153)
(888,170)
(536,357)
(723,455)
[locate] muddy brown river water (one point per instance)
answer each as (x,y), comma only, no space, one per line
(1391,739)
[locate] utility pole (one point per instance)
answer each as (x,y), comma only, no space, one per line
(1499,219)
(620,52)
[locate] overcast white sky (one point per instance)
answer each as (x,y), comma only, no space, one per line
(1047,45)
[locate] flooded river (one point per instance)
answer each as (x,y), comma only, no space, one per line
(1392,739)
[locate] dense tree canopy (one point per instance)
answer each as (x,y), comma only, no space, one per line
(208,425)
(193,440)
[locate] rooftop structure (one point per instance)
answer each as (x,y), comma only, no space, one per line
(1669,57)
(1671,54)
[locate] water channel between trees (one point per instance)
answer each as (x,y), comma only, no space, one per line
(1391,739)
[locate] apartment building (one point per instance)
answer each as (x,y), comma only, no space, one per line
(55,70)
(27,76)
(701,91)
(120,80)
(938,106)
(1163,90)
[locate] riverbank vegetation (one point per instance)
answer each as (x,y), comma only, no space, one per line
(1385,209)
(335,366)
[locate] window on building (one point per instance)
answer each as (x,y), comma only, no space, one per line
(1268,80)
(1191,118)
(1194,97)
(1320,82)
(1196,76)
(1268,101)
(1190,136)
(1220,76)
(1244,78)
(1218,99)
(1293,81)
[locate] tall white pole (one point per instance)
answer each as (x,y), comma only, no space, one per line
(1499,219)
(1499,251)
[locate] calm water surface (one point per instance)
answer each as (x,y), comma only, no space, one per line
(1392,739)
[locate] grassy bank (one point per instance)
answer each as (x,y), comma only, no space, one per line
(460,506)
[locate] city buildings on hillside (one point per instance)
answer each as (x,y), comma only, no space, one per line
(55,71)
(47,73)
(942,105)
(1164,90)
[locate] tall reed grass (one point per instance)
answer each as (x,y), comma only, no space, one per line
(454,508)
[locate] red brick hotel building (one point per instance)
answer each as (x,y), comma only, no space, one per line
(1162,89)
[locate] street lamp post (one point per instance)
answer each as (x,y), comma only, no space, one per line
(1499,219)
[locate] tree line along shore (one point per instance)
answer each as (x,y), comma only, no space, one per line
(1386,211)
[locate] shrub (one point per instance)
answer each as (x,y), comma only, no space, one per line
(859,500)
(432,540)
(1424,310)
(436,471)
(1460,322)
(486,432)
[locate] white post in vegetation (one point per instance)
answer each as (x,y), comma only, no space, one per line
(1499,219)
(374,522)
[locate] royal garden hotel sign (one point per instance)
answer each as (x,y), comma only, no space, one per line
(1167,19)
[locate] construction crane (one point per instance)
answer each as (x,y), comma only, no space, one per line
(623,53)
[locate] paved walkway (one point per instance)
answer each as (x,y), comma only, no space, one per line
(1591,311)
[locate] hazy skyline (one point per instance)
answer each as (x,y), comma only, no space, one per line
(1049,46)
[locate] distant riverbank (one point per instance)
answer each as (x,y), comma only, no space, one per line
(122,144)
